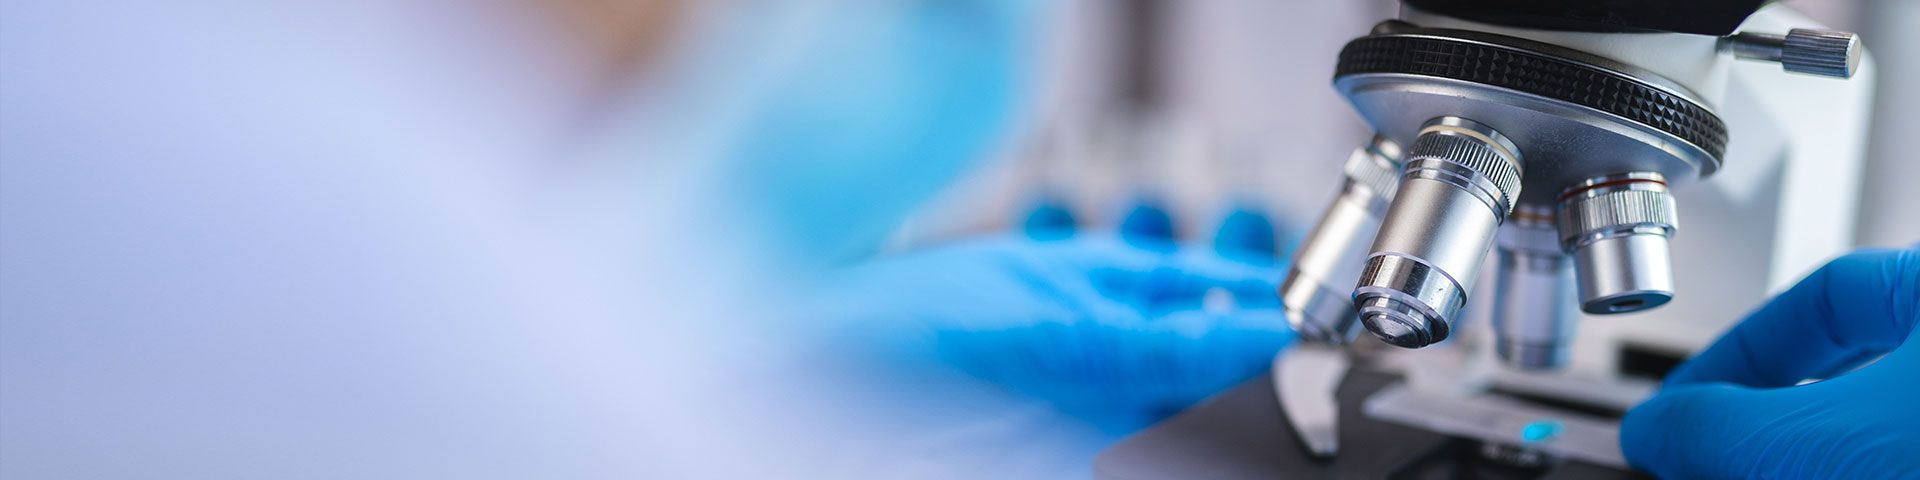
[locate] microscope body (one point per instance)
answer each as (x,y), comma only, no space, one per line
(1541,173)
(1513,235)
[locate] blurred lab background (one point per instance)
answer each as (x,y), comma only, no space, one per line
(482,238)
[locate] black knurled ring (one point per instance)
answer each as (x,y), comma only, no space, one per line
(1538,74)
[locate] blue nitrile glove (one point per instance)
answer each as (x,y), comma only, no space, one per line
(1247,235)
(1050,219)
(1734,412)
(1148,225)
(1117,334)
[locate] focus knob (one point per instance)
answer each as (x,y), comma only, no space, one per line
(1813,51)
(1821,52)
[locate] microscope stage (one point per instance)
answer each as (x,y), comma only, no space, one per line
(1241,433)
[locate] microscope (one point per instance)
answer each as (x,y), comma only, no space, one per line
(1525,180)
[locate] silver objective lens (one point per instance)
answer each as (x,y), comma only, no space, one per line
(1617,227)
(1315,291)
(1533,316)
(1461,181)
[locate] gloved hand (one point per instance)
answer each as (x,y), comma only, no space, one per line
(1735,412)
(1114,333)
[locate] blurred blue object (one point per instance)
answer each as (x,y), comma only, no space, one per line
(879,107)
(1248,235)
(1050,219)
(1148,225)
(1113,333)
(1735,411)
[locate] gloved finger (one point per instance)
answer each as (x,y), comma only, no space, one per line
(1175,291)
(1250,286)
(1207,270)
(1183,281)
(1135,366)
(1187,356)
(1247,235)
(1853,309)
(1728,431)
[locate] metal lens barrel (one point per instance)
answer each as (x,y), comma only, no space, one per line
(1617,229)
(1315,292)
(1534,319)
(1462,178)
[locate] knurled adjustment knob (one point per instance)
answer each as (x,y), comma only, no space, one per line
(1812,51)
(1821,52)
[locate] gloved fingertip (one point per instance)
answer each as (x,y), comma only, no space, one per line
(1685,432)
(1643,432)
